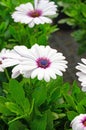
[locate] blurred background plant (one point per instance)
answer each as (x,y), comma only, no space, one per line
(73,13)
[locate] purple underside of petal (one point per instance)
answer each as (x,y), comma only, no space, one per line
(15,74)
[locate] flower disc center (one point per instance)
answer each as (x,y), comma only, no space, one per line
(43,63)
(35,13)
(0,62)
(84,122)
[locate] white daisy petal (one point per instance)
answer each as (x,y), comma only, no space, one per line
(41,74)
(8,58)
(19,17)
(84,88)
(37,21)
(31,24)
(27,74)
(81,67)
(22,50)
(25,7)
(79,122)
(46,19)
(15,74)
(10,62)
(38,13)
(51,73)
(28,67)
(36,3)
(82,73)
(83,60)
(16,71)
(35,73)
(1,68)
(46,76)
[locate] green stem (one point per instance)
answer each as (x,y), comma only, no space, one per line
(7,75)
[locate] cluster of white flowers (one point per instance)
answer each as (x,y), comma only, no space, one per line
(41,61)
(41,12)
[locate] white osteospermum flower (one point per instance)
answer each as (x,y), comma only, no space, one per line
(4,55)
(82,73)
(79,122)
(12,58)
(41,61)
(40,13)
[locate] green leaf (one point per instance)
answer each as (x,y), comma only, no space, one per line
(5,87)
(16,92)
(16,95)
(83,100)
(53,85)
(70,101)
(17,125)
(83,9)
(14,108)
(26,106)
(80,108)
(42,39)
(2,99)
(50,118)
(54,95)
(71,115)
(56,83)
(39,123)
(40,95)
(3,109)
(65,88)
(3,26)
(75,89)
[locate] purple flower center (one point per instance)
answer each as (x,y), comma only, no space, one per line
(84,122)
(35,13)
(43,63)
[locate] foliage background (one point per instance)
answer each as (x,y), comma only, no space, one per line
(28,104)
